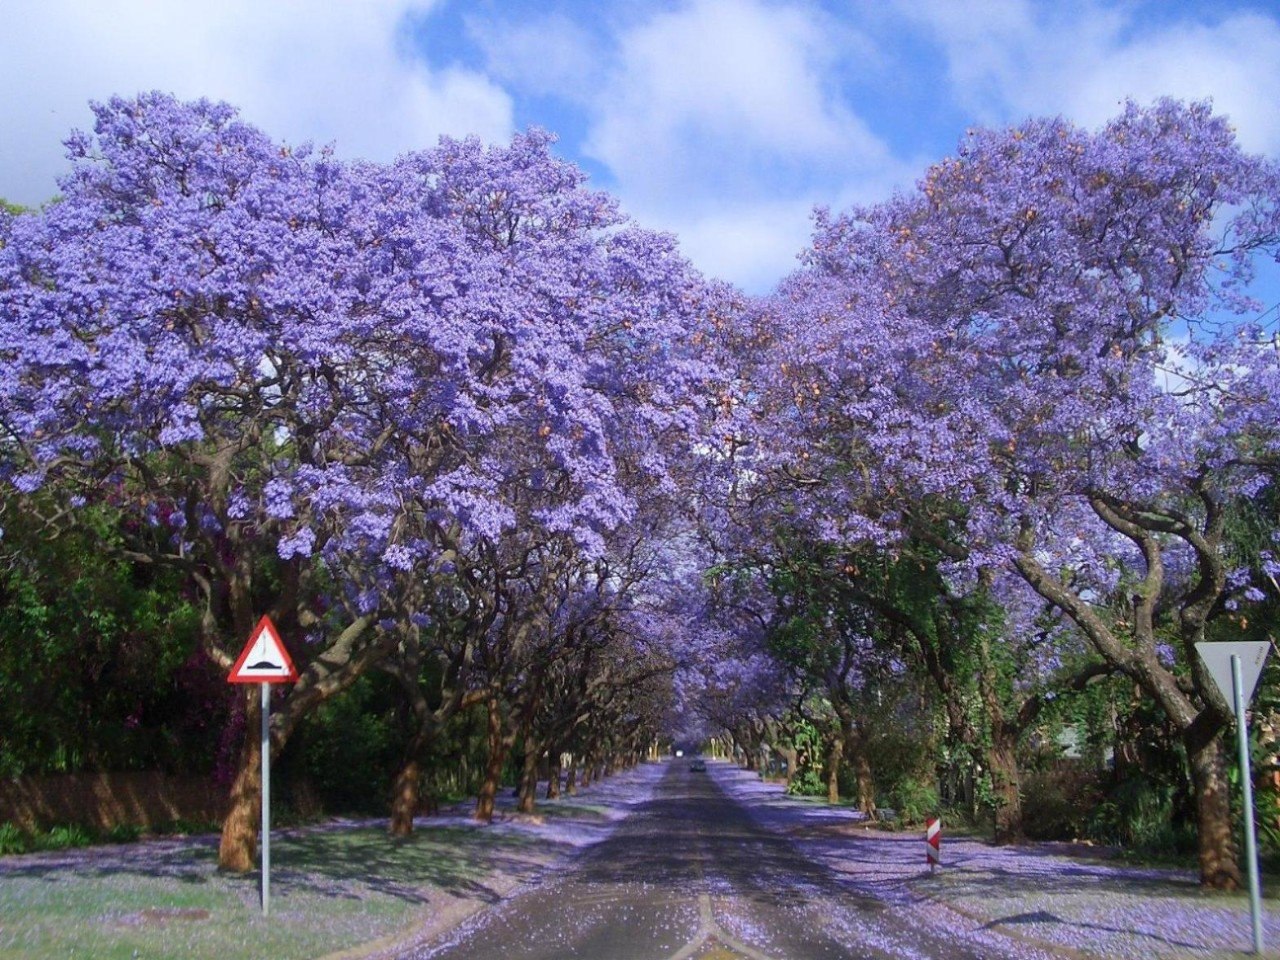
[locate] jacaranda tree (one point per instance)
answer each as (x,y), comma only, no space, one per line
(1016,363)
(319,378)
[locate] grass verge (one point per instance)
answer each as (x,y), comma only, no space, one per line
(331,889)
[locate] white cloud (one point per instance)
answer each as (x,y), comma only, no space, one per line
(720,91)
(1236,62)
(750,244)
(1010,58)
(721,121)
(754,243)
(302,71)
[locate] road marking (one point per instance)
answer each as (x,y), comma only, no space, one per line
(726,946)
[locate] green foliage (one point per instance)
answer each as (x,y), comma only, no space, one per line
(914,800)
(454,768)
(1266,791)
(807,783)
(348,751)
(12,840)
(1251,525)
(91,649)
(1267,809)
(1139,815)
(122,833)
(62,837)
(807,779)
(899,758)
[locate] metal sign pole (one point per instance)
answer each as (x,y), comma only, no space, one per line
(1246,784)
(266,798)
(1235,667)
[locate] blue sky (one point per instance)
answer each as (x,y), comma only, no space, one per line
(723,121)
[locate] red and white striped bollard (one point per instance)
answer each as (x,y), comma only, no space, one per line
(933,842)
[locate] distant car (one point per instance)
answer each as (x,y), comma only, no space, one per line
(698,766)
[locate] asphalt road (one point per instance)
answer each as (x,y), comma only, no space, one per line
(690,875)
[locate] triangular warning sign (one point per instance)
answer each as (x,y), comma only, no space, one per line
(1217,657)
(264,658)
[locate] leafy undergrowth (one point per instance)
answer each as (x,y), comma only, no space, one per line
(13,839)
(332,888)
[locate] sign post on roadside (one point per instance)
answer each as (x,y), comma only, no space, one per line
(265,661)
(1235,668)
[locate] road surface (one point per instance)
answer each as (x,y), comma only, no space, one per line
(690,876)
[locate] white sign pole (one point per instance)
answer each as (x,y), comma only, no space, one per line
(1246,784)
(266,797)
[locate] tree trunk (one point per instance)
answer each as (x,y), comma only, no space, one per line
(238,847)
(835,756)
(529,776)
(553,781)
(1215,838)
(789,756)
(866,784)
(405,796)
(493,765)
(1006,789)
(1001,755)
(571,782)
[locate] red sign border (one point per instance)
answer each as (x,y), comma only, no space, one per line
(263,624)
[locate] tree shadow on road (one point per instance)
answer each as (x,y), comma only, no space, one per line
(1045,918)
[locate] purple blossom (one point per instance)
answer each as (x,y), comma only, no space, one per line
(28,482)
(300,544)
(279,502)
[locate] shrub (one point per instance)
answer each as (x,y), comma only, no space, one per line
(1267,805)
(914,800)
(348,751)
(62,838)
(15,840)
(902,765)
(122,833)
(12,840)
(807,783)
(1139,815)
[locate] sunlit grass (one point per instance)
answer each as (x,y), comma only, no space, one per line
(572,810)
